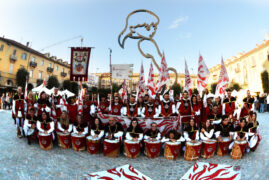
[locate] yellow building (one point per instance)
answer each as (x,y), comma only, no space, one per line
(104,80)
(14,55)
(245,68)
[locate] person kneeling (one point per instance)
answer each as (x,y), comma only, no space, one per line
(30,125)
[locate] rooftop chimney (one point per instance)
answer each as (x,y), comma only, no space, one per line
(27,44)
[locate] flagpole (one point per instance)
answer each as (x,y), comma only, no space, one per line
(110,66)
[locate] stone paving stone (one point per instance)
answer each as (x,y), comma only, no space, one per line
(19,161)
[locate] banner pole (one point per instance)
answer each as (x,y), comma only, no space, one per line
(110,52)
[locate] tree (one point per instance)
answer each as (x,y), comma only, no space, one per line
(94,89)
(85,86)
(115,87)
(213,88)
(195,91)
(177,88)
(235,86)
(21,76)
(265,81)
(74,87)
(39,82)
(53,82)
(67,85)
(30,86)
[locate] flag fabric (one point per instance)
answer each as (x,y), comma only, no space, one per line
(124,91)
(141,83)
(151,83)
(26,89)
(42,88)
(202,170)
(164,78)
(188,84)
(202,75)
(119,173)
(223,80)
(80,99)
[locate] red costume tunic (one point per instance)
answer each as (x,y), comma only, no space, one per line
(55,100)
(103,107)
(185,110)
(196,108)
(19,105)
(166,108)
(30,103)
(42,104)
(86,110)
(116,109)
(207,112)
(246,109)
(132,109)
(229,104)
(72,112)
(149,110)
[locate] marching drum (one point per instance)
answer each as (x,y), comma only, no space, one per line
(131,148)
(223,146)
(111,148)
(78,142)
(193,151)
(64,140)
(208,148)
(238,149)
(93,145)
(152,148)
(172,150)
(45,141)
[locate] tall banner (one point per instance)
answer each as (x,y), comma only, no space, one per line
(80,99)
(223,80)
(151,82)
(188,84)
(80,57)
(141,83)
(164,78)
(202,75)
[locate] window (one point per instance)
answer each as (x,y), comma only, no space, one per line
(253,61)
(33,59)
(24,56)
(14,52)
(63,70)
(40,75)
(31,73)
(50,65)
(2,47)
(11,68)
(56,68)
(42,62)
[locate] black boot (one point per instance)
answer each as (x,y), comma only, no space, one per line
(28,140)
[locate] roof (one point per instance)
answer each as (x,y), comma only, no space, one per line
(28,49)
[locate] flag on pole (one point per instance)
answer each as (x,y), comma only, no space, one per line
(124,91)
(223,80)
(188,84)
(42,88)
(151,83)
(26,89)
(141,82)
(164,78)
(80,99)
(202,76)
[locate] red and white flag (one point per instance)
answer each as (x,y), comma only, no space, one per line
(202,76)
(151,83)
(164,78)
(188,84)
(141,83)
(80,99)
(26,89)
(223,80)
(124,90)
(43,88)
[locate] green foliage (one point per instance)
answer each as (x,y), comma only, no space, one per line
(177,88)
(235,86)
(74,87)
(94,89)
(53,82)
(39,82)
(213,88)
(67,85)
(115,87)
(195,91)
(21,76)
(265,81)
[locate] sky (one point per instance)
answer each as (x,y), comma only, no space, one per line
(187,28)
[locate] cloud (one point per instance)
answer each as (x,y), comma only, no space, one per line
(179,20)
(185,35)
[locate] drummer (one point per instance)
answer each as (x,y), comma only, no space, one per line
(173,136)
(113,130)
(153,134)
(134,132)
(224,129)
(253,132)
(29,126)
(64,125)
(79,126)
(207,131)
(191,132)
(43,104)
(97,129)
(241,131)
(214,116)
(45,124)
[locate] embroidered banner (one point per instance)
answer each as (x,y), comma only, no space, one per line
(80,57)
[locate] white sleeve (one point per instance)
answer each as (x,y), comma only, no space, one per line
(38,126)
(128,137)
(25,107)
(159,136)
(101,134)
(197,136)
(118,134)
(160,109)
(123,111)
(85,131)
(217,134)
(210,134)
(60,127)
(177,108)
(51,127)
(198,113)
(92,132)
(36,105)
(164,139)
(92,110)
(146,137)
(13,107)
(223,109)
(142,112)
(186,136)
(181,139)
(70,128)
(26,123)
(75,130)
(204,138)
(173,109)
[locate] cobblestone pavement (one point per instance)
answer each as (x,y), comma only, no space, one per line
(21,161)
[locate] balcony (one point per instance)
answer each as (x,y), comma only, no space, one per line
(63,74)
(13,58)
(50,69)
(33,64)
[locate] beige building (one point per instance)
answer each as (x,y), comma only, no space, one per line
(14,55)
(104,80)
(245,68)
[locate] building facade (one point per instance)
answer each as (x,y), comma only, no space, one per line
(245,68)
(14,55)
